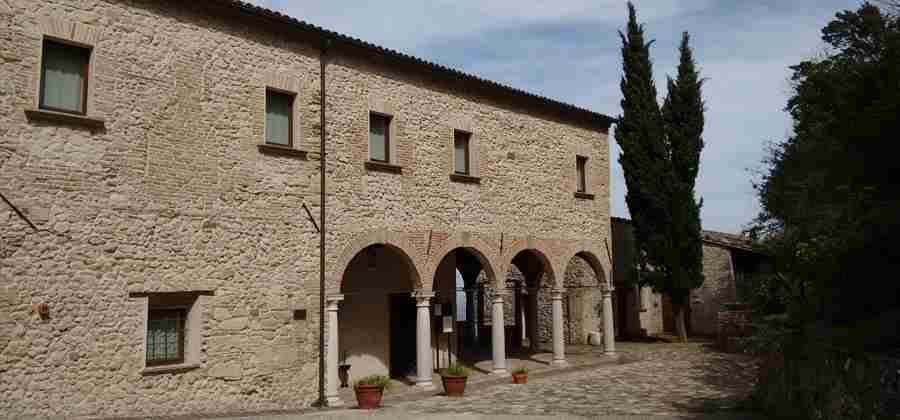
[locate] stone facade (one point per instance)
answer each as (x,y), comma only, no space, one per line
(643,313)
(163,187)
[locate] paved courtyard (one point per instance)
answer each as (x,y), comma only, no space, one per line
(646,380)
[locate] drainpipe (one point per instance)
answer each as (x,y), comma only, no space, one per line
(325,46)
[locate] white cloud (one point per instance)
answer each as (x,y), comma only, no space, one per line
(406,25)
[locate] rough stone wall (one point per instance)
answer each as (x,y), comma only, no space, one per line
(581,305)
(718,288)
(173,195)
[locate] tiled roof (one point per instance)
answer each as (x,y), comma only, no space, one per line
(337,40)
(728,240)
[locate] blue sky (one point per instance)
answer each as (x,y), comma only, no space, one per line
(569,50)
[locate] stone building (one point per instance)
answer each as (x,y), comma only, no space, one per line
(159,246)
(727,259)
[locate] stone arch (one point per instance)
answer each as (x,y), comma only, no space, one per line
(601,266)
(537,247)
(585,277)
(397,241)
(476,246)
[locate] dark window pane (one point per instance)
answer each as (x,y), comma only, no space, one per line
(279,110)
(165,336)
(64,77)
(461,153)
(379,137)
(582,181)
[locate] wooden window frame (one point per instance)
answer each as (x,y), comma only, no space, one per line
(387,137)
(293,98)
(87,75)
(457,134)
(581,182)
(182,336)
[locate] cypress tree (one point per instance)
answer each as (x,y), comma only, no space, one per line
(683,115)
(660,159)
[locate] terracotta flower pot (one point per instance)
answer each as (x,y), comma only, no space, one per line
(520,378)
(368,396)
(454,386)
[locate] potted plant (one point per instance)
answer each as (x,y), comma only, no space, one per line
(344,370)
(454,379)
(520,375)
(370,389)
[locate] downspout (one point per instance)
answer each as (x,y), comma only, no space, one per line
(325,46)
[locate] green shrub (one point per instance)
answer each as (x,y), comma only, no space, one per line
(457,369)
(806,377)
(519,370)
(381,381)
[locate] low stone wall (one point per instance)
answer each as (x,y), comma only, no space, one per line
(732,324)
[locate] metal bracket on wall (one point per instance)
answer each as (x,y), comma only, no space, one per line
(18,213)
(308,214)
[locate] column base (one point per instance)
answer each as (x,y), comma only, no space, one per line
(559,363)
(609,352)
(334,401)
(425,385)
(501,371)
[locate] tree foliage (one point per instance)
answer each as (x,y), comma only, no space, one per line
(660,160)
(829,195)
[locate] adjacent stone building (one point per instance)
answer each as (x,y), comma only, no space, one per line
(727,259)
(159,246)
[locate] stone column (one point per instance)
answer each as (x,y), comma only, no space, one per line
(523,332)
(517,319)
(470,314)
(498,339)
(559,346)
(532,324)
(609,336)
(331,357)
(423,339)
(481,302)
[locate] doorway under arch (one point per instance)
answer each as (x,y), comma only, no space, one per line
(377,329)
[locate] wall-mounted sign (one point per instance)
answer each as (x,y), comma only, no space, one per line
(448,324)
(437,309)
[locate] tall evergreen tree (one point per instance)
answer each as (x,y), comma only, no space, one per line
(683,115)
(660,159)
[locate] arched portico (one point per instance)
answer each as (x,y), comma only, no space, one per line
(459,279)
(531,273)
(583,290)
(373,320)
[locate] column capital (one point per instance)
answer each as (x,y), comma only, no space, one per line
(498,296)
(332,301)
(422,297)
(607,292)
(556,294)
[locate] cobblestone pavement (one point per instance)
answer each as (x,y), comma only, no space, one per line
(675,380)
(649,381)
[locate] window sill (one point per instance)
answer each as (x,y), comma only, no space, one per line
(383,167)
(163,369)
(465,179)
(584,196)
(274,149)
(65,118)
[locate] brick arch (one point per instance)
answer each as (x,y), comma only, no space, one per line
(398,241)
(541,249)
(478,247)
(590,253)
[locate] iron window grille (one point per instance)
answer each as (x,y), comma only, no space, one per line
(166,336)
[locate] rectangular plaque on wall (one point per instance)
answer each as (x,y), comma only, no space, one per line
(437,309)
